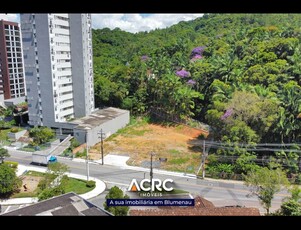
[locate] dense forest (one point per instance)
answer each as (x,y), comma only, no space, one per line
(239,73)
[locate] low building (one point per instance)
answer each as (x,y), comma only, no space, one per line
(108,121)
(69,204)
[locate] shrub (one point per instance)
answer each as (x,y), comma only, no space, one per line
(51,192)
(12,164)
(43,184)
(14,130)
(90,184)
(81,154)
(201,136)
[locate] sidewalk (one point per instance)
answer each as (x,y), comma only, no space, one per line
(99,188)
(119,160)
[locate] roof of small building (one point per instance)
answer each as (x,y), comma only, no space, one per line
(69,204)
(98,117)
(202,207)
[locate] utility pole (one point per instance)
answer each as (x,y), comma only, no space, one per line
(151,169)
(102,136)
(204,159)
(204,156)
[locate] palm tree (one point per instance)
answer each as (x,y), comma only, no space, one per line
(288,124)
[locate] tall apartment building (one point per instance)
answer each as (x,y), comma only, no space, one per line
(58,67)
(12,83)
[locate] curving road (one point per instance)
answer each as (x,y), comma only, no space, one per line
(220,192)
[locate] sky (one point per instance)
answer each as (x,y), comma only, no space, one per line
(128,22)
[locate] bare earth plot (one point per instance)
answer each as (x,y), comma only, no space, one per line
(171,142)
(30,183)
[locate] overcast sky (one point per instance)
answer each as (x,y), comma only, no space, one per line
(128,22)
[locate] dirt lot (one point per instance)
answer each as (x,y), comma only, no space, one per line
(29,183)
(171,142)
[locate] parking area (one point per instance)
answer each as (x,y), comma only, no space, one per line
(8,208)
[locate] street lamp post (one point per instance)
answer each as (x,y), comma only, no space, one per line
(87,151)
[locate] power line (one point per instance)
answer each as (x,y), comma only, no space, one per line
(246,145)
(257,149)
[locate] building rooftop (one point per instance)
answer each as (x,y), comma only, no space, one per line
(69,204)
(98,117)
(202,207)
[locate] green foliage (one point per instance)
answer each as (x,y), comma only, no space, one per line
(14,130)
(116,193)
(290,208)
(245,163)
(174,151)
(57,168)
(46,181)
(251,64)
(221,170)
(3,153)
(178,161)
(90,184)
(81,154)
(12,164)
(75,185)
(9,181)
(295,193)
(5,125)
(74,143)
(7,112)
(51,192)
(264,183)
(41,135)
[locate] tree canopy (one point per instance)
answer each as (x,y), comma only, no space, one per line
(9,181)
(264,183)
(116,193)
(238,73)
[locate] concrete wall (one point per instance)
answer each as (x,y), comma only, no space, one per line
(17,135)
(14,101)
(108,128)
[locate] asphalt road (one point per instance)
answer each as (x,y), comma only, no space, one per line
(221,193)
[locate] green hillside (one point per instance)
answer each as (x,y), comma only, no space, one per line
(239,73)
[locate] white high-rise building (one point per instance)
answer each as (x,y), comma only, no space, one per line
(58,67)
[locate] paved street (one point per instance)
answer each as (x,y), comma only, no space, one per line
(221,193)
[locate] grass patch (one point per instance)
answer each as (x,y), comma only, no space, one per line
(27,149)
(39,174)
(174,151)
(32,149)
(25,194)
(76,185)
(179,161)
(3,134)
(179,127)
(135,132)
(71,185)
(130,129)
(35,173)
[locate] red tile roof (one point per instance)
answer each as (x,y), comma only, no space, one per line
(202,207)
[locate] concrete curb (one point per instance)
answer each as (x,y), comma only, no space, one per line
(100,186)
(159,171)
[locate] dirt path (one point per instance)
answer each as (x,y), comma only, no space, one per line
(29,183)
